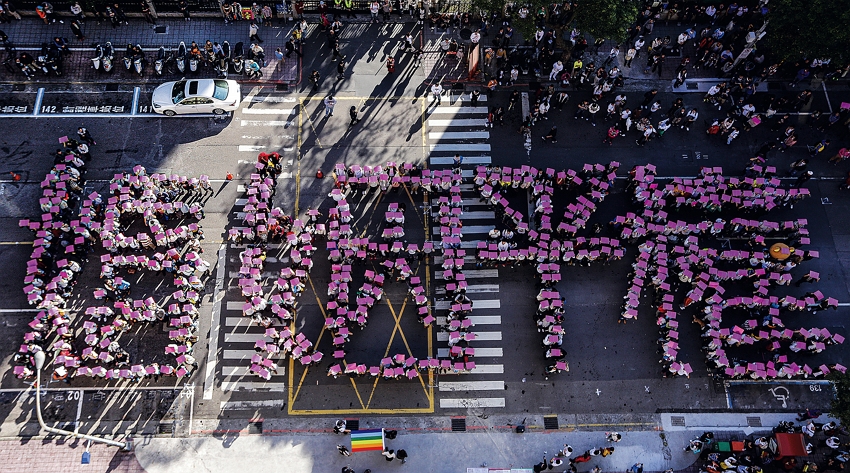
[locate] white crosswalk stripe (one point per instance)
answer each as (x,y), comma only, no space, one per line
(472,386)
(448,160)
(458,135)
(466,403)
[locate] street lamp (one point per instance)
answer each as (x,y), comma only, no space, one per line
(39,364)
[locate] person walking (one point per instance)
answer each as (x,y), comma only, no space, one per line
(473,97)
(818,148)
(86,136)
(352,112)
(388,454)
(184,8)
(253,29)
(292,48)
(77,29)
(803,179)
(552,135)
(556,69)
(343,450)
(437,91)
(613,132)
(390,65)
(330,103)
(401,454)
(340,69)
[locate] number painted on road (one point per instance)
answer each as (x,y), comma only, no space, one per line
(144,109)
(814,387)
(74,395)
(48,109)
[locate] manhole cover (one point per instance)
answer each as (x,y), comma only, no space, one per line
(352,424)
(691,85)
(160,29)
(550,422)
(677,421)
(166,428)
(754,421)
(458,424)
(282,87)
(255,427)
(111,87)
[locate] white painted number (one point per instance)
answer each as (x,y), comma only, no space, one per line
(144,108)
(73,395)
(814,387)
(48,109)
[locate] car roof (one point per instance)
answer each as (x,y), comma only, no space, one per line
(200,87)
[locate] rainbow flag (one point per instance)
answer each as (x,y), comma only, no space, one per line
(366,440)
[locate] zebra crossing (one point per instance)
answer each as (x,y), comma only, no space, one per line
(268,127)
(459,129)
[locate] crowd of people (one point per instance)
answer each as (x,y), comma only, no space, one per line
(164,210)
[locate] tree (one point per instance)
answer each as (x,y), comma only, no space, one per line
(607,19)
(840,408)
(811,29)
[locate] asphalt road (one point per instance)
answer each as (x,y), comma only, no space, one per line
(613,368)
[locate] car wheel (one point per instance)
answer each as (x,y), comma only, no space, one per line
(169,113)
(218,111)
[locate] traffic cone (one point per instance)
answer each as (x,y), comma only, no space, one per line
(319,174)
(15,177)
(229,176)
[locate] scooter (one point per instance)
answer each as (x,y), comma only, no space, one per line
(224,60)
(238,61)
(193,62)
(108,57)
(41,59)
(97,60)
(54,60)
(128,57)
(181,57)
(160,61)
(139,60)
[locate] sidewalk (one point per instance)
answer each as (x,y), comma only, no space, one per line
(29,33)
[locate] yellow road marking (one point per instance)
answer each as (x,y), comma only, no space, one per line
(356,391)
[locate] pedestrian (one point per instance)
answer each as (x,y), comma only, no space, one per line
(278,54)
(542,466)
(330,103)
(552,135)
(842,154)
(613,132)
(149,17)
(592,110)
(85,136)
(803,179)
(473,97)
(401,454)
(613,436)
(343,450)
(808,413)
(352,112)
(340,69)
(437,91)
(811,276)
(184,9)
(292,48)
(77,29)
(83,149)
(388,454)
(253,29)
(390,65)
(802,75)
(347,469)
(733,133)
(818,148)
(457,160)
(612,55)
(556,69)
(631,53)
(636,468)
(11,10)
(77,11)
(648,98)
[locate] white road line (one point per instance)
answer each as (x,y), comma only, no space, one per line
(458,110)
(250,405)
(825,94)
(472,403)
(471,274)
(469,229)
(215,325)
(267,111)
(444,161)
(477,289)
(244,337)
(477,320)
(481,304)
(239,322)
(264,123)
(233,371)
(12,311)
(269,99)
(480,369)
(241,354)
(452,147)
(457,122)
(479,336)
(464,201)
(251,147)
(228,386)
(479,352)
(478,215)
(458,135)
(454,386)
(263,275)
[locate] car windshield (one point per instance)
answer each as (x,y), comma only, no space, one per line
(221,90)
(177,93)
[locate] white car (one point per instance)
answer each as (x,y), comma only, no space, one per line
(216,96)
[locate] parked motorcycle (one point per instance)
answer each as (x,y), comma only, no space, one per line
(108,57)
(128,57)
(160,61)
(139,61)
(97,60)
(238,59)
(181,57)
(223,63)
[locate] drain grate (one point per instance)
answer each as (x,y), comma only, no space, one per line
(112,87)
(458,424)
(550,422)
(282,87)
(166,428)
(753,421)
(19,87)
(159,29)
(352,424)
(677,421)
(255,427)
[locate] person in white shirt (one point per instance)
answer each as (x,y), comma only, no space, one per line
(437,91)
(475,37)
(556,69)
(330,102)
